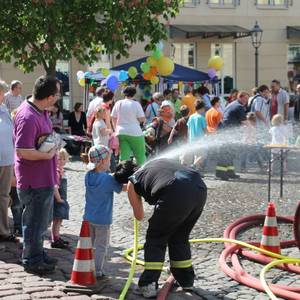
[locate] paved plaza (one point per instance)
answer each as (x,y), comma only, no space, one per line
(226,202)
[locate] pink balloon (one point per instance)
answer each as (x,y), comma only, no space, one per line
(211,73)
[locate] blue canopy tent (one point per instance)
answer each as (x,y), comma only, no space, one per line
(180,73)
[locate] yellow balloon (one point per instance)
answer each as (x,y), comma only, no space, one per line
(105,72)
(81,82)
(154,80)
(152,61)
(165,66)
(216,62)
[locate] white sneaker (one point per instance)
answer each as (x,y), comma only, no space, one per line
(149,291)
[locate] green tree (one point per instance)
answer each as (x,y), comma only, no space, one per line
(34,32)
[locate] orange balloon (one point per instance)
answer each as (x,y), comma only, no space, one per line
(147,76)
(153,71)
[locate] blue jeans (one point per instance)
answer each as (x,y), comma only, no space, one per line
(16,209)
(38,205)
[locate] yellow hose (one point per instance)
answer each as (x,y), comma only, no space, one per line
(268,267)
(133,259)
(212,240)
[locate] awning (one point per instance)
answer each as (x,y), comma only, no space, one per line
(208,31)
(180,73)
(293,32)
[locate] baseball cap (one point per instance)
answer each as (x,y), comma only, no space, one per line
(96,154)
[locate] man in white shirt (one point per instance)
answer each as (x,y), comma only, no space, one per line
(13,98)
(96,102)
(261,108)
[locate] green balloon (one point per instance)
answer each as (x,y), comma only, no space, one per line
(132,72)
(157,54)
(145,67)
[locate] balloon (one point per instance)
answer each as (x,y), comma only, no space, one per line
(145,67)
(80,74)
(105,72)
(157,54)
(216,62)
(160,46)
(153,71)
(165,66)
(81,82)
(151,61)
(211,73)
(147,76)
(123,75)
(87,74)
(132,72)
(154,80)
(112,82)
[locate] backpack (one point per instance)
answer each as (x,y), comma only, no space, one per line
(249,107)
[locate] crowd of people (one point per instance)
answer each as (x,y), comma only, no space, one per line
(32,159)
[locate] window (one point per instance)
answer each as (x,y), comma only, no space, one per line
(222,2)
(293,73)
(185,54)
(273,3)
(62,73)
(190,3)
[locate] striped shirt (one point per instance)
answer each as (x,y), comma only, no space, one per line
(262,105)
(12,102)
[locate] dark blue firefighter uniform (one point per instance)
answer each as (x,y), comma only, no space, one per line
(179,195)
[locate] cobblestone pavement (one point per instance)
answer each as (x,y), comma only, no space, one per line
(226,202)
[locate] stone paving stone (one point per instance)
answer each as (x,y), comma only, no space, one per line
(81,297)
(31,290)
(39,283)
(9,266)
(10,287)
(17,269)
(10,292)
(3,276)
(47,295)
(22,275)
(99,297)
(15,280)
(17,297)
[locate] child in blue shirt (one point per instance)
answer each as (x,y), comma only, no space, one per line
(196,124)
(100,187)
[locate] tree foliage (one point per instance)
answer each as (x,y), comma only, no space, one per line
(34,32)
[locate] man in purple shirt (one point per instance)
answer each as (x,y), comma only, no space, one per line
(36,173)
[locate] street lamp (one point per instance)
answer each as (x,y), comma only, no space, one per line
(256,35)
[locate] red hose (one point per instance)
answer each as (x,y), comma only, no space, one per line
(297,225)
(164,291)
(239,274)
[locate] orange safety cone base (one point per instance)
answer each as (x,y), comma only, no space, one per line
(86,278)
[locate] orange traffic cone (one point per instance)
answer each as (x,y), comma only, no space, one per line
(270,239)
(83,272)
